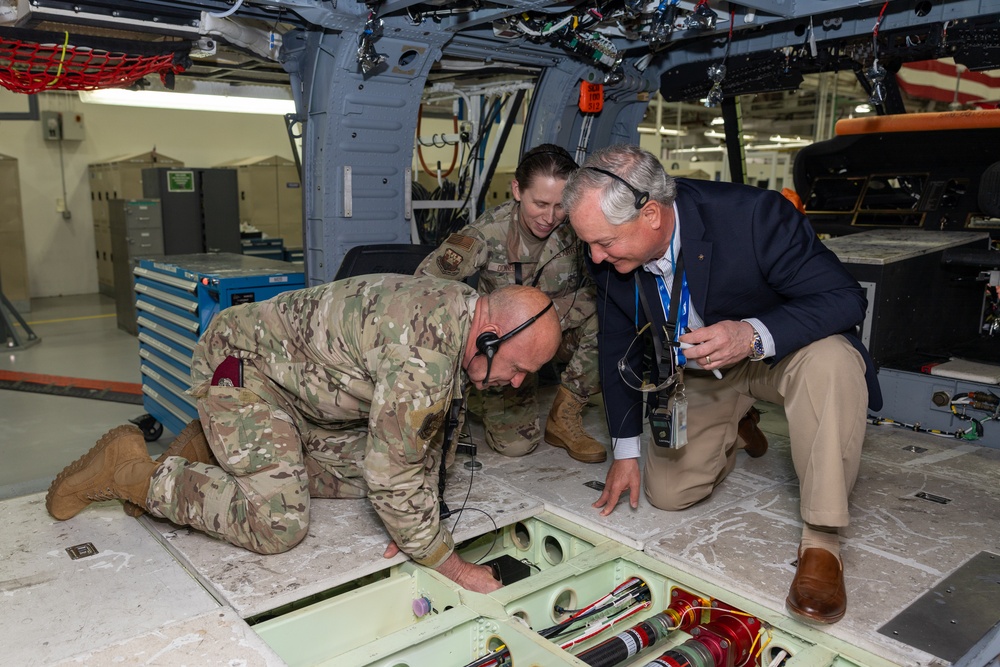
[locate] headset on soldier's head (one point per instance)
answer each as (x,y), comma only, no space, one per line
(641,196)
(488,342)
(564,155)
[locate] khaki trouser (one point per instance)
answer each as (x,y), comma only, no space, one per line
(822,388)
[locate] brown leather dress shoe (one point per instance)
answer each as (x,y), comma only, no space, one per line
(754,440)
(817,593)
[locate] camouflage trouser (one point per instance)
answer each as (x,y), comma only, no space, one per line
(511,415)
(581,376)
(271,461)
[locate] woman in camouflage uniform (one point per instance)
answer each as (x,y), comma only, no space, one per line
(528,241)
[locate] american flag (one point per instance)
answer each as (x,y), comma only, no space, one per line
(946,81)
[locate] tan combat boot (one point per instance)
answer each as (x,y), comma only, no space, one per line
(117,467)
(189,444)
(564,428)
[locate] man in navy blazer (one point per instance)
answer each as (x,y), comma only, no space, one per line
(763,311)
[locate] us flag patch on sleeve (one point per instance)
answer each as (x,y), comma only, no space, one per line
(460,241)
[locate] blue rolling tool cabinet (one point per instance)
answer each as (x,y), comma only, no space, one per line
(176,298)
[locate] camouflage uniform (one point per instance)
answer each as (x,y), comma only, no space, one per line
(345,389)
(511,414)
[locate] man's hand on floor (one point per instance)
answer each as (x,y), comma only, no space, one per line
(622,476)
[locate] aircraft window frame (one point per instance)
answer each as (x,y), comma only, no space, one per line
(892,216)
(981,221)
(904,220)
(915,203)
(861,184)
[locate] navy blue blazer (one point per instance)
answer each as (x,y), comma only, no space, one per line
(748,253)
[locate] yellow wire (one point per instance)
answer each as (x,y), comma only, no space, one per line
(721,611)
(62,59)
(764,646)
(755,640)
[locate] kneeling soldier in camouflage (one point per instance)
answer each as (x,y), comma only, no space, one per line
(336,391)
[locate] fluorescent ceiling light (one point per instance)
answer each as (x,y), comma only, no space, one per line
(188,101)
(663,131)
(673,132)
(781,146)
(715,134)
(748,147)
(700,149)
(863,108)
(718,120)
(778,139)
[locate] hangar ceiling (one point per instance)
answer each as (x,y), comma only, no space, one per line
(498,41)
(596,69)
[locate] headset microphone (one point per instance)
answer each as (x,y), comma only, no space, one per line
(641,196)
(487,343)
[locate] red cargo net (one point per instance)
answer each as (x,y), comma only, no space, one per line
(33,61)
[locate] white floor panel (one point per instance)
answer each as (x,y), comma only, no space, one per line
(57,607)
(345,542)
(550,475)
(214,638)
(960,460)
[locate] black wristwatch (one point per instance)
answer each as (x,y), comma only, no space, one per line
(756,347)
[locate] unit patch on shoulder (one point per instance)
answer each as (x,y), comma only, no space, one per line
(449,261)
(460,241)
(432,424)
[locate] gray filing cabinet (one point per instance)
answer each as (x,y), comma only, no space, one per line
(201,210)
(136,232)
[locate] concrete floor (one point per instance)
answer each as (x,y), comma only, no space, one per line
(742,539)
(40,434)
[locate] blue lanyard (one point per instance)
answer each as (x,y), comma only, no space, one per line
(682,310)
(683,297)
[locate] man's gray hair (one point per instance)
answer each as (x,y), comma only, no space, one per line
(638,167)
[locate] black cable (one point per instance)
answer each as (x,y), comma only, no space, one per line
(474,149)
(458,513)
(500,657)
(917,428)
(468,492)
(497,107)
(420,215)
(496,531)
(638,596)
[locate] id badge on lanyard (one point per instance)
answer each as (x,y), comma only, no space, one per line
(677,401)
(668,417)
(679,418)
